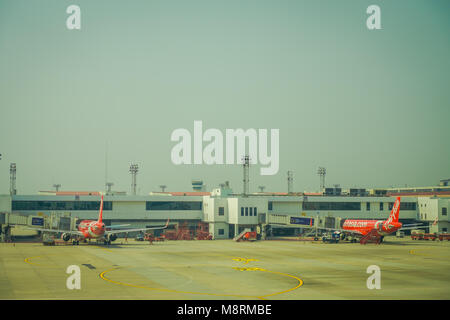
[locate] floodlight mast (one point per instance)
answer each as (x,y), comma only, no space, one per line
(322,172)
(133,170)
(109,187)
(246,166)
(12,179)
(290,181)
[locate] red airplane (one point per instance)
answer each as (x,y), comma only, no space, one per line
(374,231)
(91,229)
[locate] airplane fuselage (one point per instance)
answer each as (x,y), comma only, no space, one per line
(365,226)
(92,229)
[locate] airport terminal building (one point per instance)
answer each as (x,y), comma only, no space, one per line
(228,214)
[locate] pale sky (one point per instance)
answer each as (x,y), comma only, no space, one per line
(373,107)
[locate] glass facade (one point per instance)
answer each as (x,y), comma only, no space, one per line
(173,205)
(331,206)
(404,205)
(60,205)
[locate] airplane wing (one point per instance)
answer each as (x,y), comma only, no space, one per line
(137,229)
(117,226)
(411,228)
(413,224)
(75,232)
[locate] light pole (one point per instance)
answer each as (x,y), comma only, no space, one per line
(322,172)
(133,170)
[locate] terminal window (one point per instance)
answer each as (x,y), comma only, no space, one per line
(173,205)
(404,205)
(242,211)
(347,206)
(60,205)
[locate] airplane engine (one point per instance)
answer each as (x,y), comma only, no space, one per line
(65,236)
(112,237)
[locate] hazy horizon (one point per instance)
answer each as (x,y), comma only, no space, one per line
(372,107)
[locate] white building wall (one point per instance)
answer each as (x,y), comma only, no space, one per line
(208,209)
(287,207)
(232,210)
(258,203)
(216,212)
(435,211)
(221,230)
(5,203)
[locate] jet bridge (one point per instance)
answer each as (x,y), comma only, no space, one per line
(284,221)
(10,220)
(290,221)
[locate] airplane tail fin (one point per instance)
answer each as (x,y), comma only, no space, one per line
(393,217)
(100,216)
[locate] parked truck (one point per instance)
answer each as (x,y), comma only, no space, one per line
(331,237)
(430,236)
(417,234)
(444,236)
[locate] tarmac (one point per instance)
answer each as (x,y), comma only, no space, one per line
(224,269)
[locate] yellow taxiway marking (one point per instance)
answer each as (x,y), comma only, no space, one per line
(102,275)
(414,252)
(27,260)
(261,297)
(300,283)
(245,260)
